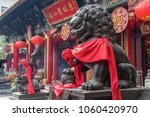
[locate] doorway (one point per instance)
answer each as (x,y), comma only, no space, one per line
(146,55)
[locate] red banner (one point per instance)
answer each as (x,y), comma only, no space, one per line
(60,11)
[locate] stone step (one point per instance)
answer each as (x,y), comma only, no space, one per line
(5,91)
(5,86)
(105,94)
(37,96)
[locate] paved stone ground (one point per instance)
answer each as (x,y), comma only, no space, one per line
(4,97)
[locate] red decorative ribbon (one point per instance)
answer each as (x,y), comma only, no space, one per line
(25,63)
(92,51)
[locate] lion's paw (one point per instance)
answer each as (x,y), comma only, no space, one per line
(123,84)
(92,85)
(67,76)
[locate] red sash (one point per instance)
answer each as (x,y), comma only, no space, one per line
(25,63)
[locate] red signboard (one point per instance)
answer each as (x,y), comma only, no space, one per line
(60,11)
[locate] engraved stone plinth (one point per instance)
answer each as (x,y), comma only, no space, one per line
(37,96)
(145,94)
(105,94)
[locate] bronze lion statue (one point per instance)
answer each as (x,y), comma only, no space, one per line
(89,23)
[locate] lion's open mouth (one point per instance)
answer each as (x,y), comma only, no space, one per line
(82,38)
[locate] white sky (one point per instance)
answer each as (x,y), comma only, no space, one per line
(6,3)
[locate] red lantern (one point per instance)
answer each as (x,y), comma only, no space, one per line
(20,44)
(37,40)
(142,10)
(24,62)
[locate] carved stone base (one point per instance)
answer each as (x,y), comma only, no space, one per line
(145,94)
(79,94)
(19,96)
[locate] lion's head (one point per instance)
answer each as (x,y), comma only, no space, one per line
(92,21)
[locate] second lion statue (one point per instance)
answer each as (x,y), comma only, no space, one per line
(89,23)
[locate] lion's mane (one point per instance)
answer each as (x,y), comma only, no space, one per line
(99,20)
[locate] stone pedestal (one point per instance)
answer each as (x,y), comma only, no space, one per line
(145,94)
(105,94)
(38,96)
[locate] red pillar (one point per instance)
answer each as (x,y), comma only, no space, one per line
(30,45)
(8,64)
(16,59)
(129,30)
(31,48)
(55,61)
(49,57)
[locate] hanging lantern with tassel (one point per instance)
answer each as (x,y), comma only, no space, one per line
(37,40)
(142,10)
(20,44)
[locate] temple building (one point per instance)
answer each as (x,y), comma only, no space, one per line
(50,19)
